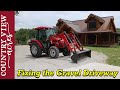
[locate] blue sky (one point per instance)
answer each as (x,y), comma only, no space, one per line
(32,19)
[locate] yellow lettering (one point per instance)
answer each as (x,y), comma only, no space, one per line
(85,72)
(20,72)
(62,73)
(115,74)
(47,73)
(59,72)
(29,73)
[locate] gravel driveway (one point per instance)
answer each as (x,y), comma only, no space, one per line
(24,60)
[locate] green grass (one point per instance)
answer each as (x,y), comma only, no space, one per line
(113,54)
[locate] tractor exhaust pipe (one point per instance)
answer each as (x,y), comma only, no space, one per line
(76,56)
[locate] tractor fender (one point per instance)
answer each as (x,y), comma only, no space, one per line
(38,42)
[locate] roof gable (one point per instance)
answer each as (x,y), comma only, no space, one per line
(95,17)
(106,23)
(81,25)
(70,24)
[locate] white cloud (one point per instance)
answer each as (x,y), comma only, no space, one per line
(32,19)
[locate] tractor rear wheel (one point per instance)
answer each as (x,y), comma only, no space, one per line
(35,50)
(53,52)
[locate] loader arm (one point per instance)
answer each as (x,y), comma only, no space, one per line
(70,41)
(72,38)
(78,40)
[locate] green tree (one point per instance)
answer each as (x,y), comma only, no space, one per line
(118,30)
(31,33)
(23,35)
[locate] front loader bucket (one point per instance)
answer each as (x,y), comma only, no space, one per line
(76,56)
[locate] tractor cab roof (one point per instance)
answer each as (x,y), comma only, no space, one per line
(42,28)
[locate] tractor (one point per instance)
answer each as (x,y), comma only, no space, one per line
(52,42)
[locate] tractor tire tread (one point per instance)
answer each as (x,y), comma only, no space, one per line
(39,53)
(57,51)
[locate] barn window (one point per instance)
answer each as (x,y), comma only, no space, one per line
(92,25)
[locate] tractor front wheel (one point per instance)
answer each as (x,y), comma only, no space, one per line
(35,50)
(53,52)
(66,53)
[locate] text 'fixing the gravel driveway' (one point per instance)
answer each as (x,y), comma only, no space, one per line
(62,73)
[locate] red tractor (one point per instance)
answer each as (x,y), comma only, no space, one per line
(50,41)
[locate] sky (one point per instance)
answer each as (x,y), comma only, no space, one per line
(32,19)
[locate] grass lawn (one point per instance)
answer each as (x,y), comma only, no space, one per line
(113,54)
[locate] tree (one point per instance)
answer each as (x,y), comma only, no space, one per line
(31,33)
(23,35)
(118,30)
